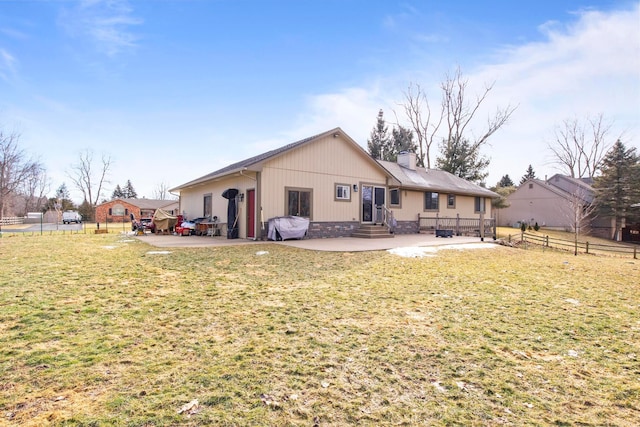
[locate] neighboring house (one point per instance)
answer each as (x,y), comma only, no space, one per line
(120,210)
(552,204)
(336,184)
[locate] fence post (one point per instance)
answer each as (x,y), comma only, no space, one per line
(457,224)
(495,228)
(587,246)
(634,253)
(546,243)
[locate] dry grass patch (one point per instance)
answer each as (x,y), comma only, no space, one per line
(97,336)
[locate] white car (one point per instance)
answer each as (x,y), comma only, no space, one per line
(71,216)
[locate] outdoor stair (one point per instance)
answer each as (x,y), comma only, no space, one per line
(370,231)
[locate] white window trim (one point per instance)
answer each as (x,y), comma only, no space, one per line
(346,193)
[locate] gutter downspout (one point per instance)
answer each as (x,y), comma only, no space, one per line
(247,176)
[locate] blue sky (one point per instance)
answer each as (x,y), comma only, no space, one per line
(174,89)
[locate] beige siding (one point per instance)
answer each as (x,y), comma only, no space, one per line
(536,204)
(192,200)
(413,205)
(319,166)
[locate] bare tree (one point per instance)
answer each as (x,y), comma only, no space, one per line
(452,122)
(580,146)
(459,112)
(418,112)
(161,191)
(579,214)
(88,178)
(35,189)
(15,168)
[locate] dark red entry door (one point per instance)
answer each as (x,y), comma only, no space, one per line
(251,214)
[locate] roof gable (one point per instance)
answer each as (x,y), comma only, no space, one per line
(580,187)
(255,163)
(547,186)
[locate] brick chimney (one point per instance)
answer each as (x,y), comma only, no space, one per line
(407,160)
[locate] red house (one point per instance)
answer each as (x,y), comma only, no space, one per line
(120,210)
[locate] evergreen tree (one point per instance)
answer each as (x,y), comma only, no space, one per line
(62,198)
(505,181)
(401,140)
(86,210)
(117,193)
(461,159)
(619,185)
(129,192)
(378,142)
(501,201)
(530,174)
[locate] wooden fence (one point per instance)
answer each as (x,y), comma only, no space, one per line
(586,247)
(459,226)
(10,220)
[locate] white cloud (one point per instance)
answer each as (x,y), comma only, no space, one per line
(587,67)
(13,33)
(353,109)
(107,23)
(8,64)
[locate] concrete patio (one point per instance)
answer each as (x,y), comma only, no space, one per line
(341,244)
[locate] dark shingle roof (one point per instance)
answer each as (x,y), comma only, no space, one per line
(149,203)
(434,180)
(421,179)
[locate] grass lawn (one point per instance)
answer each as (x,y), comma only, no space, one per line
(96,330)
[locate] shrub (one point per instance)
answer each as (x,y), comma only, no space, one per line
(536,226)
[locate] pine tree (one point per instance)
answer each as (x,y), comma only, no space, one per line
(378,142)
(619,185)
(63,198)
(86,210)
(401,140)
(505,181)
(460,159)
(129,191)
(117,193)
(530,174)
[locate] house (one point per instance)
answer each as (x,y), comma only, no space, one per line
(120,210)
(552,204)
(331,180)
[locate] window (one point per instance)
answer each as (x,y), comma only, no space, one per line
(343,192)
(479,205)
(299,202)
(117,210)
(394,197)
(431,201)
(207,206)
(451,201)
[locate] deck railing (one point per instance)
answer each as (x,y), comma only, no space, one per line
(459,226)
(386,217)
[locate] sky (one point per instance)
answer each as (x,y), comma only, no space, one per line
(174,89)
